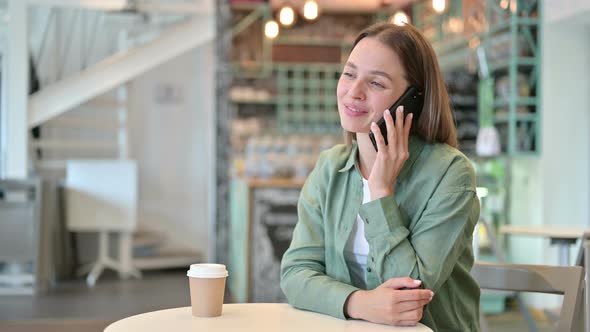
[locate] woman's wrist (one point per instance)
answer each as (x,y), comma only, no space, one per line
(352,307)
(378,193)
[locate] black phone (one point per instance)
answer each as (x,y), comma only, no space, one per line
(412,100)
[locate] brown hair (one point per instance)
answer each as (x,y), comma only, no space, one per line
(436,123)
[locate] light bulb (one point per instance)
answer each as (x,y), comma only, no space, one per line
(513,6)
(400,18)
(310,10)
(286,16)
(271,29)
(439,5)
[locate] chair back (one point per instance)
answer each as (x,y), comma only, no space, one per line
(563,280)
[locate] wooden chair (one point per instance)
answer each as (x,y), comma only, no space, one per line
(565,280)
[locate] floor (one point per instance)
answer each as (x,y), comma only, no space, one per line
(74,307)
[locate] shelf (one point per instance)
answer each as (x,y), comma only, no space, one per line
(311,42)
(520,21)
(271,101)
(526,154)
(520,62)
(521,101)
(247,6)
(273,182)
(463,101)
(527,117)
(451,44)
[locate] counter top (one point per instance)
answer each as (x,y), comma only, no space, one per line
(273,182)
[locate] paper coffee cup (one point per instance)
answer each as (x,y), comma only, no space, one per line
(207,286)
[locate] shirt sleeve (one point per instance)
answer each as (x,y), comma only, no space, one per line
(303,270)
(429,248)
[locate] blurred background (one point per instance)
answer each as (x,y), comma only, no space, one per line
(140,136)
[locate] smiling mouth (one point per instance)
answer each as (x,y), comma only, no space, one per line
(355,110)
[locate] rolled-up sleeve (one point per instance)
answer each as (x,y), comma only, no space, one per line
(303,270)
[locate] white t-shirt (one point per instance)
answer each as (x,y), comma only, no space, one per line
(356,249)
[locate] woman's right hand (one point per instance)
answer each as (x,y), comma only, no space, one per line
(389,304)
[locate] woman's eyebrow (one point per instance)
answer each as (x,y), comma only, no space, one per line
(374,72)
(381,73)
(350,64)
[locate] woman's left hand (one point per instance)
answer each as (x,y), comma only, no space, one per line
(391,157)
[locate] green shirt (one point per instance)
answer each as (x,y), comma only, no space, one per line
(424,231)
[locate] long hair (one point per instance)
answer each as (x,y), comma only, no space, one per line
(436,123)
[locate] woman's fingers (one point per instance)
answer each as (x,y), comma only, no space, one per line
(413,295)
(378,137)
(391,133)
(407,127)
(412,305)
(412,315)
(399,127)
(399,121)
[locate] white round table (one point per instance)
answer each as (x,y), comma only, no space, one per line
(258,317)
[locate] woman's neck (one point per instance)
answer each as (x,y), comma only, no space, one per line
(366,155)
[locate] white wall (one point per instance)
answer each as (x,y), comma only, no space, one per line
(562,10)
(566,123)
(173,142)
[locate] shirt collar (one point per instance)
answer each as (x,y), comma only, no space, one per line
(415,146)
(352,156)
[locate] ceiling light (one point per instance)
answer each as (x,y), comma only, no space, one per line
(271,29)
(310,10)
(286,16)
(399,18)
(439,5)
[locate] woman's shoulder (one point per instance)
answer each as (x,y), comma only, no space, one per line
(447,154)
(329,162)
(449,163)
(335,158)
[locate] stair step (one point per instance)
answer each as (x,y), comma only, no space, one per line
(166,259)
(75,145)
(147,239)
(81,122)
(105,103)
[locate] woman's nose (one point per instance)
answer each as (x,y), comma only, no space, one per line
(356,90)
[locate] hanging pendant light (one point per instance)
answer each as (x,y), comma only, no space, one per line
(311,10)
(400,18)
(287,16)
(271,29)
(439,5)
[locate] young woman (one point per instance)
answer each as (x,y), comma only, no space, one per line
(386,236)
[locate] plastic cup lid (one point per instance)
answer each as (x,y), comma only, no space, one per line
(207,271)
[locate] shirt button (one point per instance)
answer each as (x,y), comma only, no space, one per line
(368,269)
(367,220)
(372,259)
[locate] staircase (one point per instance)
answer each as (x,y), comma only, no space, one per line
(84,114)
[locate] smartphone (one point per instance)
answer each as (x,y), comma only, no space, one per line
(412,100)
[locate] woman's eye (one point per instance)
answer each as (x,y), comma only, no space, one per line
(346,74)
(377,84)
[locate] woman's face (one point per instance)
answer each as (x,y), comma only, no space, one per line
(372,80)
